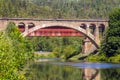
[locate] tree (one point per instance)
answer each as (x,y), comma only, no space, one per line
(15,52)
(111,44)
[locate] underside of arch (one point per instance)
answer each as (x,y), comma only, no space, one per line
(56,31)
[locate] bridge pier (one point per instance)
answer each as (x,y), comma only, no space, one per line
(26,28)
(87,46)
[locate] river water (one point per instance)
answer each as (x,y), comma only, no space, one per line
(48,69)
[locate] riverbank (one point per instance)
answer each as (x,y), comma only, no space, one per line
(80,57)
(103,58)
(41,54)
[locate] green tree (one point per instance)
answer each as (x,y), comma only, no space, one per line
(68,52)
(111,44)
(15,53)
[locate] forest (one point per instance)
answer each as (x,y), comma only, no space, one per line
(64,9)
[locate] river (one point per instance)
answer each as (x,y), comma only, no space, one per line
(53,69)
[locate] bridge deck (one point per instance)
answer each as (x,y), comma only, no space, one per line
(38,19)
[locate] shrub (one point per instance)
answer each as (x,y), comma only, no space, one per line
(15,51)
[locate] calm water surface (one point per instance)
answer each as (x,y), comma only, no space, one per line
(48,70)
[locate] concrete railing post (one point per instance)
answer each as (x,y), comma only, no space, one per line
(87,29)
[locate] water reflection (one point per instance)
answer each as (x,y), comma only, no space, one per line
(46,71)
(101,74)
(91,74)
(110,74)
(96,65)
(89,65)
(96,71)
(73,71)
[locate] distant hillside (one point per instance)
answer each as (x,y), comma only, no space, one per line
(66,9)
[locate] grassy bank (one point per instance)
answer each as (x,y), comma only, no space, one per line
(103,58)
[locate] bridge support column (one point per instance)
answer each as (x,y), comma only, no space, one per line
(88,29)
(88,47)
(26,29)
(97,38)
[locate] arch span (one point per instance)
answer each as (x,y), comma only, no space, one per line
(78,28)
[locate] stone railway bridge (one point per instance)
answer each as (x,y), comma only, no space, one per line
(92,29)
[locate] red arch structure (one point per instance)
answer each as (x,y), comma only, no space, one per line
(55,31)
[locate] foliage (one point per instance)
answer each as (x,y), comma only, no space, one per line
(115,58)
(104,58)
(111,43)
(65,9)
(110,74)
(61,47)
(68,51)
(57,52)
(97,58)
(15,52)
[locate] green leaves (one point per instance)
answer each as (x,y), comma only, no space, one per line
(112,40)
(114,15)
(14,52)
(61,47)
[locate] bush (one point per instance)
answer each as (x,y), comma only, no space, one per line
(96,58)
(115,58)
(111,43)
(15,51)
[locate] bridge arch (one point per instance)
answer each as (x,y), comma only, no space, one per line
(92,28)
(84,26)
(30,25)
(77,28)
(102,30)
(21,26)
